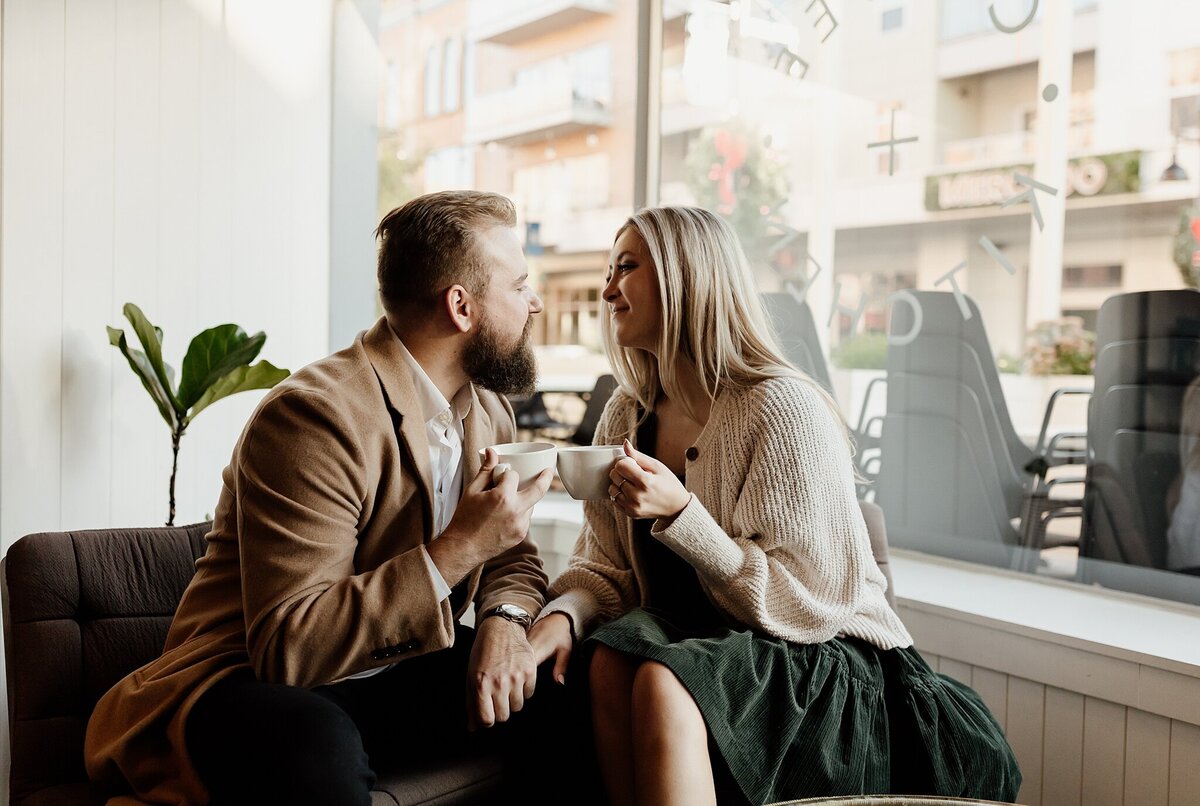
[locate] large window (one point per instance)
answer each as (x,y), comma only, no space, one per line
(986,208)
(982,211)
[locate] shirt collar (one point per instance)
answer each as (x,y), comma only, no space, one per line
(433,402)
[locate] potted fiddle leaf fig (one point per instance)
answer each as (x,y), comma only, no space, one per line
(217,365)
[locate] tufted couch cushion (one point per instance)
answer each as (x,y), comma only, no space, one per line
(82,610)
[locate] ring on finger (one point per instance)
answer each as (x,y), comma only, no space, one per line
(622,484)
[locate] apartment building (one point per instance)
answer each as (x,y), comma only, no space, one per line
(969,95)
(531,98)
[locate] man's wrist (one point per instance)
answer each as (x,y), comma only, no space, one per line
(510,613)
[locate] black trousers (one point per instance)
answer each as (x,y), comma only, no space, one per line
(262,743)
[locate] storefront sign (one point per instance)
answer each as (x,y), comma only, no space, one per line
(1086,176)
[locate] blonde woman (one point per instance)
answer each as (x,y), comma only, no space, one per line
(738,640)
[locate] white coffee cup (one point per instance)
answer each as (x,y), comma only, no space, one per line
(526,459)
(584,471)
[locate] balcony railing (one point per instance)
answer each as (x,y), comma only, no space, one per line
(514,21)
(561,104)
(582,230)
(1006,149)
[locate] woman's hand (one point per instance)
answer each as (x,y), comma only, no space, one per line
(643,487)
(552,636)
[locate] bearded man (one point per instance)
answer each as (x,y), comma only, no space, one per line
(320,636)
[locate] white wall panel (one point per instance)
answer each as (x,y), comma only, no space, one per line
(1103,753)
(1026,726)
(1147,758)
(1062,757)
(1184,784)
(87,238)
(993,689)
(31,286)
(140,439)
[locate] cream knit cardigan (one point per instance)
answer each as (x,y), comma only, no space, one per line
(773,526)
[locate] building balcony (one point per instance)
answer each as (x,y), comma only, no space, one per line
(521,115)
(971,44)
(571,231)
(1010,149)
(515,21)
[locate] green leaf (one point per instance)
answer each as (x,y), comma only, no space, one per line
(141,367)
(151,339)
(211,356)
(259,376)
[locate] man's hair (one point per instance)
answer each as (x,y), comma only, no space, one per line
(428,245)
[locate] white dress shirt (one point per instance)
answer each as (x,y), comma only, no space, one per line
(444,430)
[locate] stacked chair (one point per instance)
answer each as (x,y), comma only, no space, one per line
(955,478)
(796,331)
(1142,424)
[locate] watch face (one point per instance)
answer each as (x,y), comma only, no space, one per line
(513,613)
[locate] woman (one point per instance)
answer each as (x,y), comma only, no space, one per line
(737,623)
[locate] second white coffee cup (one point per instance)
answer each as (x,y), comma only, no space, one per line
(584,471)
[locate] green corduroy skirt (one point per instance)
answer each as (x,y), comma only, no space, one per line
(839,718)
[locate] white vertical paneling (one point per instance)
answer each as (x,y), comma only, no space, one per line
(1025,723)
(212,436)
(179,210)
(1147,758)
(141,440)
(1103,753)
(957,669)
(1062,756)
(1185,764)
(88,177)
(32,243)
(992,687)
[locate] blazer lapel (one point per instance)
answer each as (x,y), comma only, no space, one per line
(383,351)
(477,435)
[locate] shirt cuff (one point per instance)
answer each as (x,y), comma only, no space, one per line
(439,582)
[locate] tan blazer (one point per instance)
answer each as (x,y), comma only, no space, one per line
(316,564)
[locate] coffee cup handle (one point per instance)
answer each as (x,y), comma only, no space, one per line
(498,472)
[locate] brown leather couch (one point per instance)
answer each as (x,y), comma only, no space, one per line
(82,610)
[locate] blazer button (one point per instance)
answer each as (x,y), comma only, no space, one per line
(693,453)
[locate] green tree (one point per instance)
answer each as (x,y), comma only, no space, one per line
(732,171)
(1187,247)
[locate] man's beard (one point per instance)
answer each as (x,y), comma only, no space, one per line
(505,372)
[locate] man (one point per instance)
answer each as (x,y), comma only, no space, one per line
(319,636)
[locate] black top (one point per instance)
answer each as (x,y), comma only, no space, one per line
(673,587)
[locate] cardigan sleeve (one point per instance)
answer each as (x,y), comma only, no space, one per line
(794,565)
(599,582)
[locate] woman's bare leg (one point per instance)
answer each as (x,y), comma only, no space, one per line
(670,742)
(611,676)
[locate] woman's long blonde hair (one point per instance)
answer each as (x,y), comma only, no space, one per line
(712,317)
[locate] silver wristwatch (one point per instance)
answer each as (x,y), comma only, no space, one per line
(511,612)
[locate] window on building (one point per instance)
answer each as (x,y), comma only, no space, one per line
(452,80)
(432,75)
(1092,276)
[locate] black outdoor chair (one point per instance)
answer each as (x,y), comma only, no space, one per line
(1147,363)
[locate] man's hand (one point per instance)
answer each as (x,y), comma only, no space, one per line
(488,521)
(552,637)
(501,675)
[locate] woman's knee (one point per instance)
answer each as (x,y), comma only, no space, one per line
(610,675)
(658,693)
